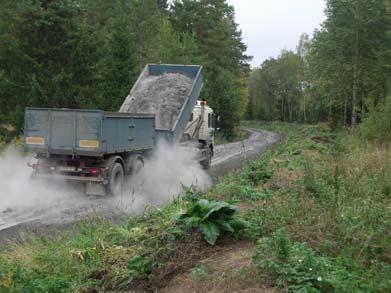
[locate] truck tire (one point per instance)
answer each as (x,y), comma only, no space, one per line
(134,164)
(116,180)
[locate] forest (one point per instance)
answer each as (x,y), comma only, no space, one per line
(88,53)
(338,75)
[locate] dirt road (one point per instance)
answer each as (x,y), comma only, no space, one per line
(63,212)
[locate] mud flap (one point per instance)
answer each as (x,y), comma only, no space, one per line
(95,189)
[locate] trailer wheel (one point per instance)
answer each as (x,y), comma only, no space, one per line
(207,162)
(134,164)
(116,180)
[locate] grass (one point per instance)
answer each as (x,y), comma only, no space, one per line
(318,207)
(330,193)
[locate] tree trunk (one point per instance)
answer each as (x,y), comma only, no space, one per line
(304,110)
(354,98)
(345,113)
(355,77)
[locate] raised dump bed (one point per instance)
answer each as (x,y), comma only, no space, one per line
(86,132)
(169,92)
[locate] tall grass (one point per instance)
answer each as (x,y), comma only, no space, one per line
(332,192)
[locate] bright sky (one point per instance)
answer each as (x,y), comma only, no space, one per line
(269,26)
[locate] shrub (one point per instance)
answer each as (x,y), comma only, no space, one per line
(212,218)
(377,126)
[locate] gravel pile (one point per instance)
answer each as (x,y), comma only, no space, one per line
(162,95)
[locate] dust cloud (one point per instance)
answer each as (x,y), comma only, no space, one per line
(165,174)
(163,177)
(19,195)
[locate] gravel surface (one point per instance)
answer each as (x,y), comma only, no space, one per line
(163,95)
(228,158)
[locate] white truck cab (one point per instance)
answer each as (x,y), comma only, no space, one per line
(201,129)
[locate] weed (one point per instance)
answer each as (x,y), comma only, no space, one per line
(212,218)
(139,265)
(200,273)
(298,269)
(233,191)
(255,173)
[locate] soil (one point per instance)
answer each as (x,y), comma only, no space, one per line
(224,270)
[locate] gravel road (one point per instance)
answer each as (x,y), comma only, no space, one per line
(60,215)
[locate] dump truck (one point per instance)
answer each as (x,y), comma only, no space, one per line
(99,149)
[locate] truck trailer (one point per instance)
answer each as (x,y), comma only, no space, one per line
(99,148)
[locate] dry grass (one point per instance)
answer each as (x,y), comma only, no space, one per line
(226,270)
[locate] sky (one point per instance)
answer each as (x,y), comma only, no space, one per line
(268,26)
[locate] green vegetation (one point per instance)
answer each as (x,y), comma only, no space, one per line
(317,205)
(297,268)
(99,254)
(213,217)
(329,192)
(88,53)
(338,75)
(377,126)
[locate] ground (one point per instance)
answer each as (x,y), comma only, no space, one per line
(220,272)
(62,214)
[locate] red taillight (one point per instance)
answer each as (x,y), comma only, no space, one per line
(94,171)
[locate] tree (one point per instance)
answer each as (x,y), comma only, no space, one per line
(349,49)
(213,25)
(276,88)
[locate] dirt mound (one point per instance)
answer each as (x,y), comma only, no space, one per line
(162,95)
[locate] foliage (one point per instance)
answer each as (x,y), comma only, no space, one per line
(213,25)
(256,173)
(88,53)
(332,77)
(330,191)
(139,265)
(235,191)
(238,135)
(212,218)
(377,126)
(297,268)
(276,88)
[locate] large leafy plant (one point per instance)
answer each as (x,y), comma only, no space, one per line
(213,218)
